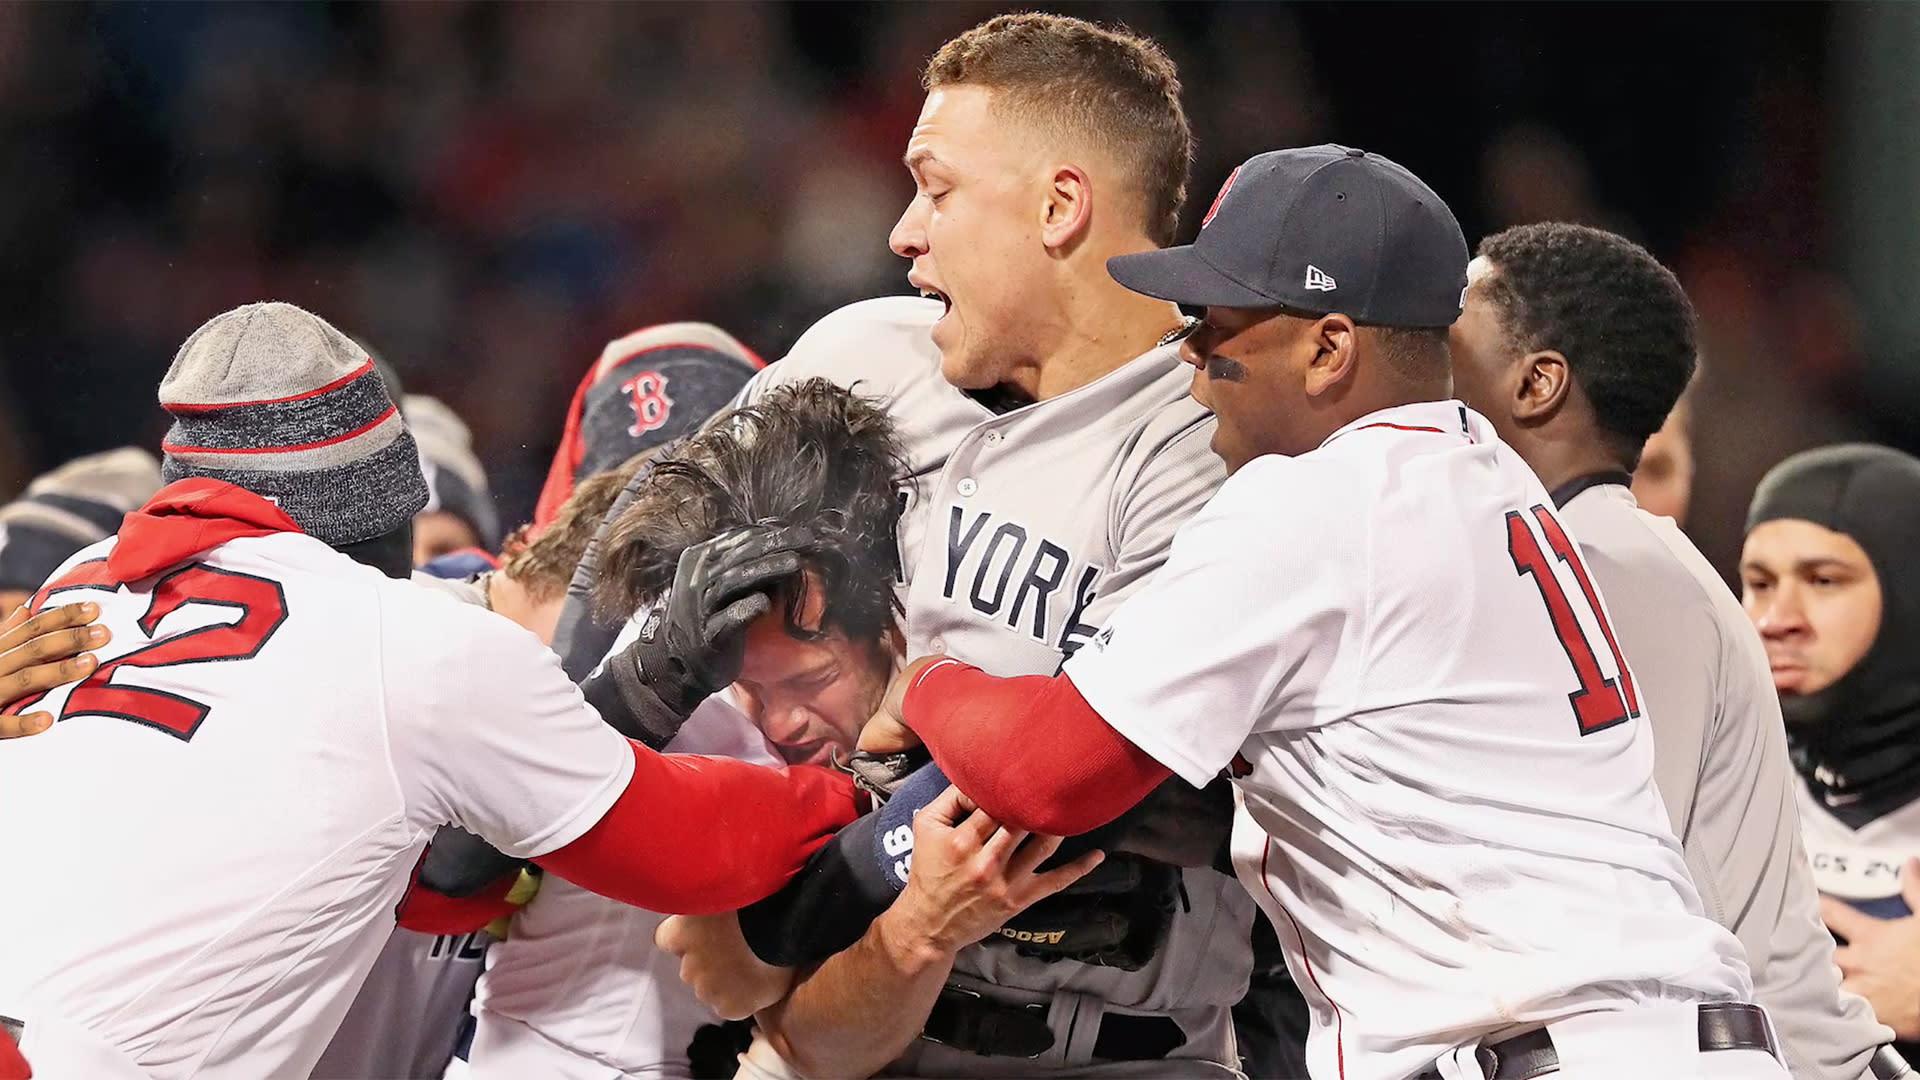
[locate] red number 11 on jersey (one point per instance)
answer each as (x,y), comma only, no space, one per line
(1598,702)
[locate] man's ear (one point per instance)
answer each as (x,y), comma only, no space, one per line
(893,643)
(1544,386)
(1334,340)
(1066,208)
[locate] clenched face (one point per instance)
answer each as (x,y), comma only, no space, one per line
(1815,599)
(810,697)
(973,233)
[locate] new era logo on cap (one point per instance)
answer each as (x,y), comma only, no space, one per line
(1319,280)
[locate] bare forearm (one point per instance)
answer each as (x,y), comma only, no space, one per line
(862,1008)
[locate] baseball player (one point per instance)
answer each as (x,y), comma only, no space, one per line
(1054,452)
(1381,630)
(278,725)
(1828,579)
(1574,342)
(460,514)
(578,991)
(411,1013)
(413,1009)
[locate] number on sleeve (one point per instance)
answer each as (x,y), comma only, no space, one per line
(1598,702)
(262,607)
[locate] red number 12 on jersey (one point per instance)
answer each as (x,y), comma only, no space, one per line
(1599,702)
(262,607)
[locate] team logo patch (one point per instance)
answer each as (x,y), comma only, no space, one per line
(647,393)
(1220,198)
(1319,280)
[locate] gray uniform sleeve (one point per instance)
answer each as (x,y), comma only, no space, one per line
(1722,769)
(1748,779)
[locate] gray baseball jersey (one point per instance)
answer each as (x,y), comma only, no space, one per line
(1023,531)
(1720,762)
(405,1022)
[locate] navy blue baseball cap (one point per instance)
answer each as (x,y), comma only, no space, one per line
(1317,230)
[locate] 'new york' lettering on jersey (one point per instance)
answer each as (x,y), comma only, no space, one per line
(1023,532)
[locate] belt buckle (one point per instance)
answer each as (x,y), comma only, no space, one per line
(959,991)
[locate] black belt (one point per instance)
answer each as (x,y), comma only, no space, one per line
(13,1028)
(967,1021)
(1724,1025)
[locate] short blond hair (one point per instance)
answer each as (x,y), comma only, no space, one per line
(1114,89)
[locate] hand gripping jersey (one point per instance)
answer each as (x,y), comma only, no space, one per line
(1023,532)
(1721,766)
(272,737)
(1447,804)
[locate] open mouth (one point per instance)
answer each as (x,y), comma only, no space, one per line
(931,293)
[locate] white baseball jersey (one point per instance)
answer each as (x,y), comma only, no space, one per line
(1447,803)
(1720,763)
(1860,866)
(1022,533)
(578,991)
(225,842)
(406,1021)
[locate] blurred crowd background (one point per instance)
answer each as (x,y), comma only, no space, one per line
(486,193)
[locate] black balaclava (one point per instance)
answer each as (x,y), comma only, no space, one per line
(1857,742)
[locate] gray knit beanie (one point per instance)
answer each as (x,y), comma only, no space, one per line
(272,399)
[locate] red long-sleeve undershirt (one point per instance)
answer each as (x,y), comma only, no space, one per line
(12,1065)
(701,835)
(1028,750)
(427,912)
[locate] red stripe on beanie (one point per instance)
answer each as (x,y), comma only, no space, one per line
(334,385)
(172,448)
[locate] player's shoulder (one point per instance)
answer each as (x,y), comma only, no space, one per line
(884,343)
(1287,493)
(1168,435)
(431,623)
(1648,551)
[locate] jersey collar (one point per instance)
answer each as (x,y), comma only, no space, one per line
(1438,417)
(1566,492)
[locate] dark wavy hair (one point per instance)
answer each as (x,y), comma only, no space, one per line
(811,454)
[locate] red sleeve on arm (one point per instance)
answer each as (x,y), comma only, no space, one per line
(1029,750)
(12,1065)
(702,835)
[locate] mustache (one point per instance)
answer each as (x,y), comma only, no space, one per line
(1225,369)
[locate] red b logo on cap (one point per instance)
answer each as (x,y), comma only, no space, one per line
(647,392)
(1220,198)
